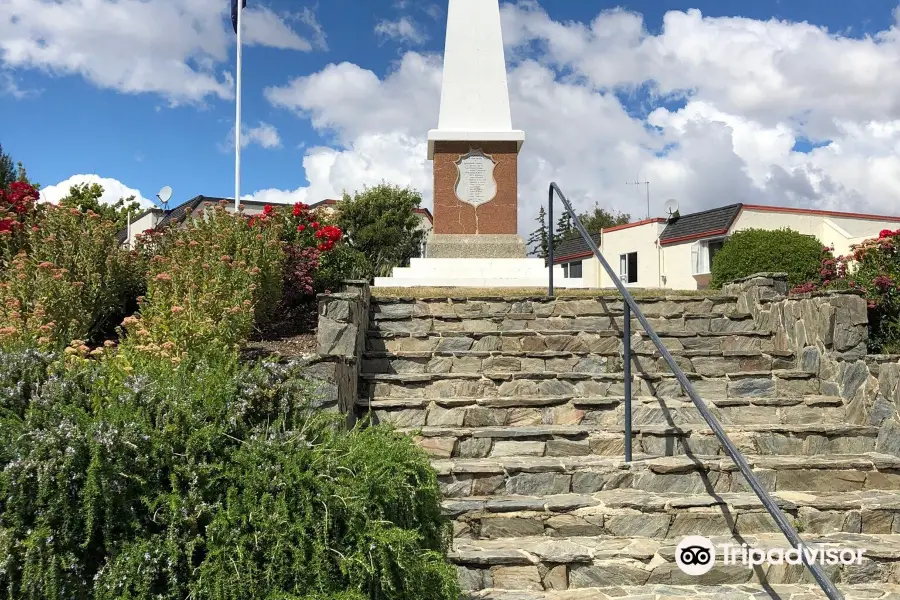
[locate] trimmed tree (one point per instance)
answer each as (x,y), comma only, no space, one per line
(381,222)
(86,197)
(773,251)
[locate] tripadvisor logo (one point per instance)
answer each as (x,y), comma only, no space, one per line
(696,555)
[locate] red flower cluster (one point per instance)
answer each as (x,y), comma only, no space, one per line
(15,202)
(329,235)
(887,233)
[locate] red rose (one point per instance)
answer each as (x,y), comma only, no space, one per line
(315,225)
(301,227)
(267,209)
(885,233)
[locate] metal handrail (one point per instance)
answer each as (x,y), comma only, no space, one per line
(630,306)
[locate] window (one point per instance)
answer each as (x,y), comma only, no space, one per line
(702,255)
(628,267)
(572,270)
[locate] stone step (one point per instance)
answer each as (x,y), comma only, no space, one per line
(606,411)
(631,513)
(795,591)
(703,362)
(785,383)
(537,476)
(662,440)
(672,306)
(542,563)
(688,323)
(596,340)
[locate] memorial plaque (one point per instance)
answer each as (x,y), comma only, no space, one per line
(475,183)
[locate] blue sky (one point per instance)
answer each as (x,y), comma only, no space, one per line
(60,121)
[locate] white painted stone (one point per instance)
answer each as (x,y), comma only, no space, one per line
(474,89)
(476,272)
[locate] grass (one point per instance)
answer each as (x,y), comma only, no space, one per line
(462,292)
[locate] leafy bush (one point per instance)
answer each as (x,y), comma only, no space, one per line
(69,280)
(208,481)
(209,281)
(760,250)
(308,242)
(873,269)
(382,224)
(338,266)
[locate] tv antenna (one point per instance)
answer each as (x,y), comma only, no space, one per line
(164,195)
(644,183)
(670,208)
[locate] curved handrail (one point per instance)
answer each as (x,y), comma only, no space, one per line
(786,528)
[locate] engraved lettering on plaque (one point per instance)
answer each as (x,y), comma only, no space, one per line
(475,183)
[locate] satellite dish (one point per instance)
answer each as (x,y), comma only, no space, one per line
(164,194)
(670,208)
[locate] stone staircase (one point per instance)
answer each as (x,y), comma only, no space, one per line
(520,403)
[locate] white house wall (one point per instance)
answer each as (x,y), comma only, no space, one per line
(640,239)
(817,225)
(677,266)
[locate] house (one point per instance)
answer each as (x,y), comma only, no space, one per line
(677,254)
(157,218)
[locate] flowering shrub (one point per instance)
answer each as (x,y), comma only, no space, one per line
(213,482)
(68,281)
(307,242)
(873,269)
(207,284)
(18,213)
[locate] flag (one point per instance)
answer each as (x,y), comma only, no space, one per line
(234,10)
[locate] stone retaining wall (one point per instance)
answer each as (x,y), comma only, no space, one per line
(341,339)
(827,332)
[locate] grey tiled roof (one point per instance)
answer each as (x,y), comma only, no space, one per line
(573,247)
(697,224)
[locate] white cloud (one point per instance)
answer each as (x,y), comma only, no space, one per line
(9,86)
(748,91)
(264,135)
(113,190)
(405,30)
(179,49)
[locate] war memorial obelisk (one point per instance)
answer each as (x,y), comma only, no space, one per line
(475,153)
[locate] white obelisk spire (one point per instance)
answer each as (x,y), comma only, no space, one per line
(474,91)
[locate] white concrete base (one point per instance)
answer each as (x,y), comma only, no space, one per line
(476,272)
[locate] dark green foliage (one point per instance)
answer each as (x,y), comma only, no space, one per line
(594,221)
(339,265)
(86,197)
(208,481)
(774,251)
(600,218)
(537,241)
(381,223)
(11,171)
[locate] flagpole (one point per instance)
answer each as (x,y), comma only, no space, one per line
(237,118)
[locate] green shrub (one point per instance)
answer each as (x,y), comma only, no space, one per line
(760,250)
(339,265)
(70,280)
(208,283)
(382,224)
(206,480)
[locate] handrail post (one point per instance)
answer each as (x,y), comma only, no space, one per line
(550,241)
(626,342)
(789,531)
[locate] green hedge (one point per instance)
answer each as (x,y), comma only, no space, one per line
(760,250)
(204,481)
